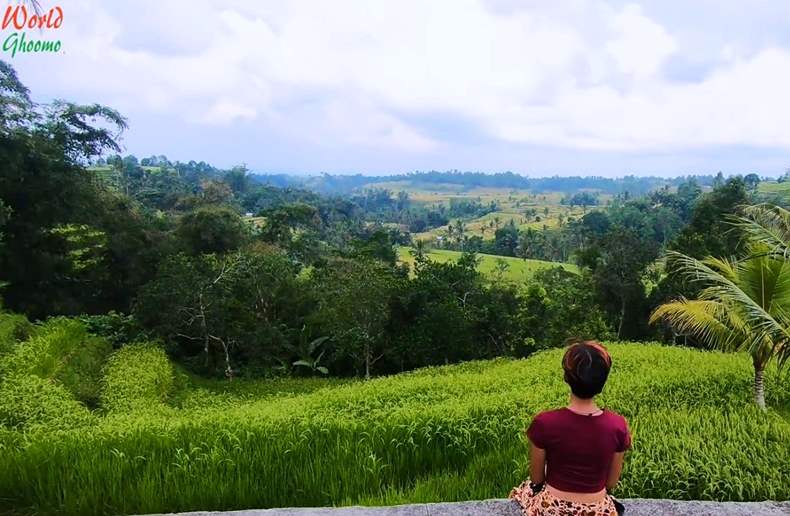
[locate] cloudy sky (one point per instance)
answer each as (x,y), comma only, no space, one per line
(533,86)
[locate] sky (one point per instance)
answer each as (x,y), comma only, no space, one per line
(567,87)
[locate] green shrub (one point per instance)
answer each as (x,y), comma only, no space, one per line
(440,433)
(30,401)
(118,329)
(138,376)
(14,328)
(63,351)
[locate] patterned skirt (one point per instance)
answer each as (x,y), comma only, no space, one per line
(546,504)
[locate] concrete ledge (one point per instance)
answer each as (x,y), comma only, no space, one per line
(635,507)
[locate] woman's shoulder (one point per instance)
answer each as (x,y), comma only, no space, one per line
(550,415)
(611,417)
(619,426)
(615,419)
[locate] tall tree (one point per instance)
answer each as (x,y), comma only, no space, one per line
(354,308)
(618,262)
(709,232)
(47,189)
(231,309)
(212,229)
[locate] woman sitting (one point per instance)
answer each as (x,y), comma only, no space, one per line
(577,451)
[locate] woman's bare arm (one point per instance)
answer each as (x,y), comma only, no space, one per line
(614,470)
(537,464)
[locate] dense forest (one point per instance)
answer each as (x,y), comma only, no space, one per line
(245,274)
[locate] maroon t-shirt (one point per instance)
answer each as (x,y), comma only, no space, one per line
(579,449)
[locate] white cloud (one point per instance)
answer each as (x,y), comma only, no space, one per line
(641,45)
(362,124)
(225,111)
(358,73)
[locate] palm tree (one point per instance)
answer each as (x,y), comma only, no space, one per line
(36,6)
(450,231)
(419,251)
(460,229)
(745,305)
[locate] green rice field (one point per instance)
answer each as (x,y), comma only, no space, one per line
(157,440)
(518,269)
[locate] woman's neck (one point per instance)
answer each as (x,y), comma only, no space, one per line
(583,406)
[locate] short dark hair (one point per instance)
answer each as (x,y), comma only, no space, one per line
(586,364)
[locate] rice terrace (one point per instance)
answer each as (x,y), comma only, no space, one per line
(394,258)
(436,434)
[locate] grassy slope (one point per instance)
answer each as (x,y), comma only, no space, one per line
(518,269)
(433,193)
(447,433)
(775,188)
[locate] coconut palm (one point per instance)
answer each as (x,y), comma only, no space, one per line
(450,231)
(745,305)
(419,251)
(35,6)
(460,229)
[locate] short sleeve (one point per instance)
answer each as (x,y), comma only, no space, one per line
(623,437)
(537,432)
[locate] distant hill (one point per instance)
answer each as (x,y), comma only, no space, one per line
(340,184)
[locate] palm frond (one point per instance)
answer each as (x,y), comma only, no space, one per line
(754,292)
(724,266)
(709,321)
(727,291)
(767,225)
